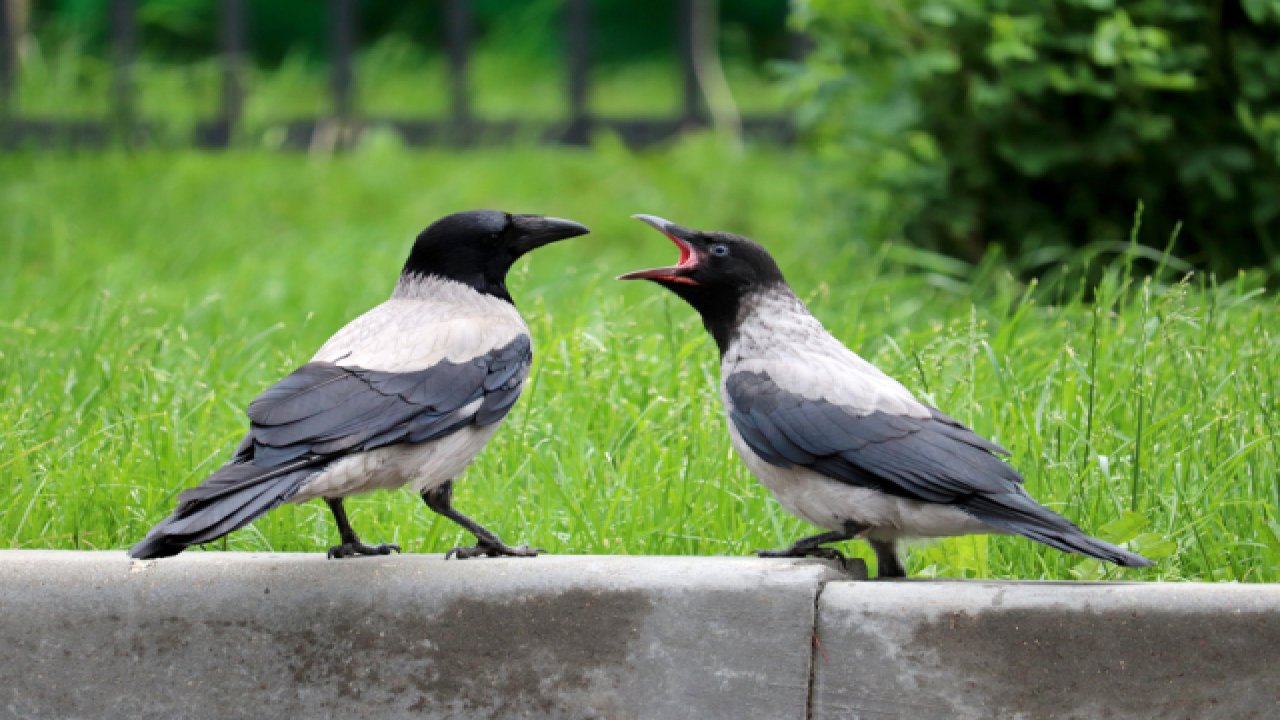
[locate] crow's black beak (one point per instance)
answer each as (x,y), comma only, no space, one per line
(678,233)
(684,239)
(534,231)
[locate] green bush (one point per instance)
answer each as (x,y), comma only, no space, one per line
(1041,125)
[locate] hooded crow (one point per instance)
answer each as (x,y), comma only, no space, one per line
(406,394)
(839,443)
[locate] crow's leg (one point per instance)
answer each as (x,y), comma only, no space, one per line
(812,546)
(351,545)
(888,564)
(440,499)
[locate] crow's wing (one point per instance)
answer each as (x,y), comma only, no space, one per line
(436,371)
(921,455)
(322,411)
(924,456)
(326,409)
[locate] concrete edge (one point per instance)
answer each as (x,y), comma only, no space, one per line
(95,634)
(980,649)
(211,634)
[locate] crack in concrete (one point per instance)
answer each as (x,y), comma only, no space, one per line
(813,649)
(854,570)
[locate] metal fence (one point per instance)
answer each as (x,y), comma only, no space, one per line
(343,125)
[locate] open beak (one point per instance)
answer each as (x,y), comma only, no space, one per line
(536,231)
(681,236)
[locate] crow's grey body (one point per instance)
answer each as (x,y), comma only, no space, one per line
(780,352)
(449,335)
(839,443)
(406,394)
(843,445)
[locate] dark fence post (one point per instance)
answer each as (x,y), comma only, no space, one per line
(124,41)
(233,32)
(342,41)
(457,28)
(8,57)
(341,132)
(692,109)
(799,45)
(578,33)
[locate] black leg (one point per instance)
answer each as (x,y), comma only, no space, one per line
(440,499)
(351,545)
(888,564)
(812,546)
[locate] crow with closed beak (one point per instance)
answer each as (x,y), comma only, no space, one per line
(406,394)
(839,443)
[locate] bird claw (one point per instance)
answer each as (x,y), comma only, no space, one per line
(484,548)
(346,550)
(794,552)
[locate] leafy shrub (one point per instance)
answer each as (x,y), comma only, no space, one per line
(1042,124)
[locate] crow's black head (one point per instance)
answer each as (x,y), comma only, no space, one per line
(478,247)
(716,270)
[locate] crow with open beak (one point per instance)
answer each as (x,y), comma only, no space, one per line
(839,443)
(406,394)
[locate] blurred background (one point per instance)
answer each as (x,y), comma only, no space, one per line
(1058,220)
(1065,114)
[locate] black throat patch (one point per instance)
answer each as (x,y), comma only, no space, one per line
(721,309)
(480,268)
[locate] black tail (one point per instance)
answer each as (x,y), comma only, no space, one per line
(227,500)
(1019,514)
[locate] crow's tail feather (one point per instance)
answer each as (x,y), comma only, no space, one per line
(1017,513)
(231,498)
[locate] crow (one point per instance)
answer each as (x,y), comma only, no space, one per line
(839,443)
(406,394)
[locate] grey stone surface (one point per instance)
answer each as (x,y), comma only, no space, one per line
(1047,650)
(232,635)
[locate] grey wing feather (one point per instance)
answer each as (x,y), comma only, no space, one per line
(322,411)
(323,408)
(956,430)
(934,459)
(504,382)
(931,459)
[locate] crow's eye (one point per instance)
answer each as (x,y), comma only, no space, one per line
(719,250)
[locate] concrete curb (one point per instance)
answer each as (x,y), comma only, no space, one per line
(235,635)
(230,635)
(1047,649)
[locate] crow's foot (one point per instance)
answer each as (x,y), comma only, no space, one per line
(490,548)
(356,549)
(800,552)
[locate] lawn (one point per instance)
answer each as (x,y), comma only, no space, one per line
(146,299)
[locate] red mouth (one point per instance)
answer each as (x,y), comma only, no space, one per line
(678,273)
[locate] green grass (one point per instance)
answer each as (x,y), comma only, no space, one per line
(145,299)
